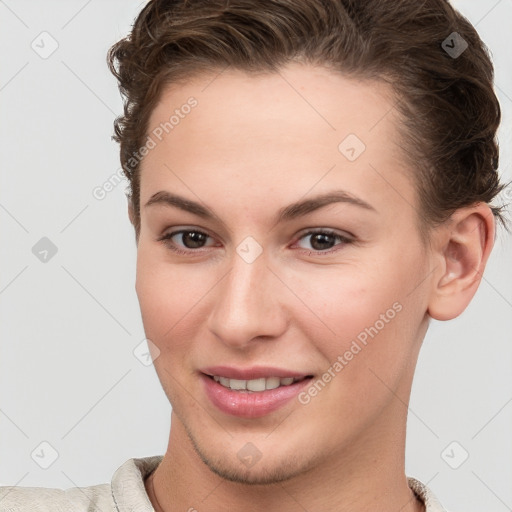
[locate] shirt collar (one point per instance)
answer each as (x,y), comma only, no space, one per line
(127,486)
(426,495)
(129,493)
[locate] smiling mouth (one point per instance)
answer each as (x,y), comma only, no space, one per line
(256,385)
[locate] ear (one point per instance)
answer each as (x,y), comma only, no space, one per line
(461,248)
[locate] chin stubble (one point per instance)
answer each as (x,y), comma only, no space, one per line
(286,470)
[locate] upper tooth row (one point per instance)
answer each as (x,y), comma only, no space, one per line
(254,384)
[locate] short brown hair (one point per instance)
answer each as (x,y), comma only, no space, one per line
(448,106)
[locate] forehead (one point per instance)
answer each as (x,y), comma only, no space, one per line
(301,128)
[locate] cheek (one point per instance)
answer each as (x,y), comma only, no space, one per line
(369,313)
(368,358)
(167,296)
(346,300)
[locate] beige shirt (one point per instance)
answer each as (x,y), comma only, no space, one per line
(125,493)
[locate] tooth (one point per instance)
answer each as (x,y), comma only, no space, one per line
(256,384)
(237,384)
(272,382)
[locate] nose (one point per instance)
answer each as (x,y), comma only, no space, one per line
(247,304)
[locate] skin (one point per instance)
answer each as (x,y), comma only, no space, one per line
(253,145)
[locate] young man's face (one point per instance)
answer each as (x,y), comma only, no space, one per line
(256,295)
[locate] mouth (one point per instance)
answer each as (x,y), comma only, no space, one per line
(252,393)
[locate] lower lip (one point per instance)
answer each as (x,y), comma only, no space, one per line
(247,404)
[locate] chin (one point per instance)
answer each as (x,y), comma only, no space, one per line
(230,465)
(261,473)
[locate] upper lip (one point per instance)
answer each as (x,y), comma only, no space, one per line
(254,372)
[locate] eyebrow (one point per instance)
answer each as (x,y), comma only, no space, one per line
(290,212)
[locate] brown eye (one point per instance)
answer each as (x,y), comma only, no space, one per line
(192,239)
(187,239)
(322,241)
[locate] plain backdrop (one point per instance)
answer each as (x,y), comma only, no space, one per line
(76,395)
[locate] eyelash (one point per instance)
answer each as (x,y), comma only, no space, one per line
(166,240)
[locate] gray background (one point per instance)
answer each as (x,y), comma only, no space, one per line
(70,325)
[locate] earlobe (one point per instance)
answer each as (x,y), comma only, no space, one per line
(464,244)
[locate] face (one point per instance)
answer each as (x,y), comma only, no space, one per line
(279,252)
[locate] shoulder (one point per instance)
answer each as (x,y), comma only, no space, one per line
(126,492)
(42,499)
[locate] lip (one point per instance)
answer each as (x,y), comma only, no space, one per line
(255,404)
(255,372)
